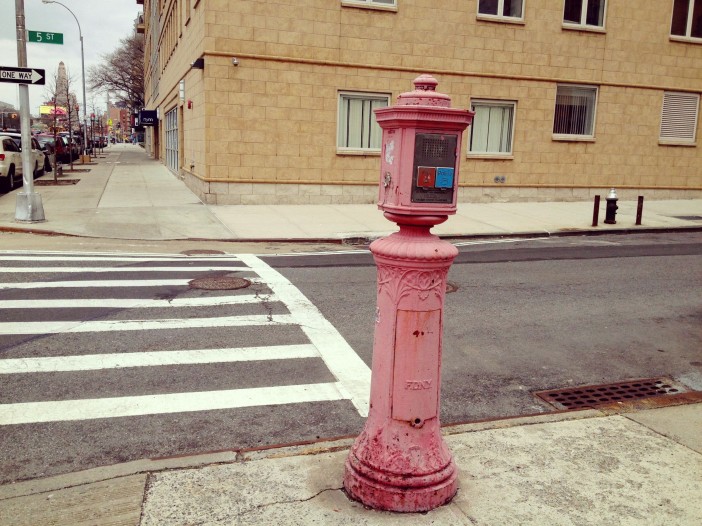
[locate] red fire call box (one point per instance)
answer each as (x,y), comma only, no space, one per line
(420,153)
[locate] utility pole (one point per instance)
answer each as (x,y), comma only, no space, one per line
(28,208)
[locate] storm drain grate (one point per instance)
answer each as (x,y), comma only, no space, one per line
(605,394)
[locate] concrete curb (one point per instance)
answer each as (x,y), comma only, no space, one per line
(151,465)
(360,240)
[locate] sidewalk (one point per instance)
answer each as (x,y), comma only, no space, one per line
(126,195)
(576,468)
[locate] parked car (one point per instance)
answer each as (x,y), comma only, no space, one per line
(75,144)
(47,146)
(10,164)
(37,157)
(61,147)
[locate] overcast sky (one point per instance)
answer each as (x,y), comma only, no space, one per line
(102,22)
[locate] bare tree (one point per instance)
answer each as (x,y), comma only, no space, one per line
(69,99)
(51,92)
(122,72)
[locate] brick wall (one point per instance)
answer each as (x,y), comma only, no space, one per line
(267,131)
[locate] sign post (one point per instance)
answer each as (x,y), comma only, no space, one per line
(28,208)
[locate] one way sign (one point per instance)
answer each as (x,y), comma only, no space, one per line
(22,75)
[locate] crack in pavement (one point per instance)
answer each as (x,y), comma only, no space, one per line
(283,502)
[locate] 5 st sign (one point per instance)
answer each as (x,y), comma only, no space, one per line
(45,37)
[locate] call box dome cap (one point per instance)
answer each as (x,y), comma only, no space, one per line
(424,94)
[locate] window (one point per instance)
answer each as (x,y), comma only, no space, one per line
(679,118)
(510,9)
(369,3)
(492,128)
(358,129)
(584,13)
(172,140)
(10,146)
(575,112)
(687,19)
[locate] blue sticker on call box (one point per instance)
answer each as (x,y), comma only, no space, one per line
(444,178)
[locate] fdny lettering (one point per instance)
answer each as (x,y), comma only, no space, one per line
(417,385)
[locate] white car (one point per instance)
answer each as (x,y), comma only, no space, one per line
(37,159)
(10,164)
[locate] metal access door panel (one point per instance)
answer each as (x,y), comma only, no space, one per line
(433,180)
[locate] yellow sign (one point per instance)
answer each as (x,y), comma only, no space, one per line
(49,110)
(109,122)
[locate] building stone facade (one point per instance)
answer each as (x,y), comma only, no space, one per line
(573,97)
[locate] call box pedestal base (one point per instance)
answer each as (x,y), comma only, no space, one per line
(400,461)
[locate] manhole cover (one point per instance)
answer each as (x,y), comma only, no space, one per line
(202,252)
(605,394)
(219,283)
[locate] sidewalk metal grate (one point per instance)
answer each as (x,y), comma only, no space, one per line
(605,394)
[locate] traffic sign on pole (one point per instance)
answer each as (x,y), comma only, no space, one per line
(23,75)
(45,37)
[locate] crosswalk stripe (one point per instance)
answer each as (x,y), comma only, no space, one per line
(104,283)
(348,368)
(86,409)
(75,326)
(135,303)
(111,258)
(27,270)
(93,362)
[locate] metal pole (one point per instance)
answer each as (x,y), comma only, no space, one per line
(596,211)
(28,207)
(82,64)
(639,210)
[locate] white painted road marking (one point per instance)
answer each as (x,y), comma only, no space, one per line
(68,410)
(113,258)
(93,362)
(73,326)
(352,373)
(104,283)
(348,368)
(83,270)
(117,303)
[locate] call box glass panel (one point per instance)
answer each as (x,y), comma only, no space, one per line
(434,168)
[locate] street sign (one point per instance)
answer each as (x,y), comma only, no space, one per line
(44,37)
(23,75)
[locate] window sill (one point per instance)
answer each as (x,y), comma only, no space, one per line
(358,153)
(587,29)
(572,138)
(676,142)
(687,40)
(500,19)
(493,156)
(366,5)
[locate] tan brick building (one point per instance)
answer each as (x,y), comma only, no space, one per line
(571,96)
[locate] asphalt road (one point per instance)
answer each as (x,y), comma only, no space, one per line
(540,314)
(524,316)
